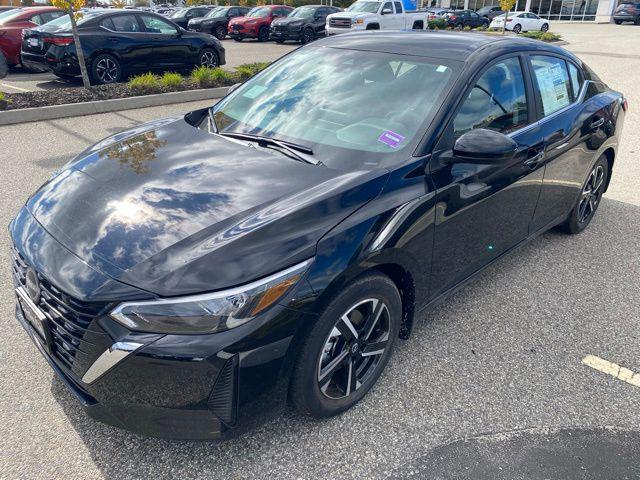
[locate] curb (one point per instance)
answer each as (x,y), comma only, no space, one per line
(25,115)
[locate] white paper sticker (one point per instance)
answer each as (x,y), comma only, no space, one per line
(254,91)
(553,88)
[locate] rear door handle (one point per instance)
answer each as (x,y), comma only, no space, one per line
(597,123)
(535,160)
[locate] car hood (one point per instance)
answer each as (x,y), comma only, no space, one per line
(346,14)
(172,209)
(287,20)
(243,20)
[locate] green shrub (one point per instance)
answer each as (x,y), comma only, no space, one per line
(467,28)
(437,24)
(145,83)
(544,36)
(483,28)
(171,80)
(248,70)
(206,77)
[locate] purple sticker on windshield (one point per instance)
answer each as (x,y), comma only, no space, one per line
(391,138)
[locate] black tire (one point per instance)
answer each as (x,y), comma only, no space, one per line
(307,35)
(279,41)
(459,26)
(220,32)
(4,68)
(544,27)
(105,69)
(331,342)
(263,34)
(618,22)
(237,39)
(637,22)
(579,219)
(65,76)
(517,28)
(208,57)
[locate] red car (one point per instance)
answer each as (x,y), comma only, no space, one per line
(257,22)
(12,22)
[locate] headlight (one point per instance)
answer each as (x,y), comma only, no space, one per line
(209,312)
(359,21)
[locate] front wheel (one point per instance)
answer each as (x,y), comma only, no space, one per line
(221,32)
(544,27)
(618,22)
(263,34)
(348,348)
(589,199)
(637,22)
(105,70)
(459,26)
(208,58)
(307,35)
(517,28)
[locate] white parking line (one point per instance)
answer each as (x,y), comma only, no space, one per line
(16,88)
(613,369)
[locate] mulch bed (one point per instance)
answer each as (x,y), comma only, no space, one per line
(61,96)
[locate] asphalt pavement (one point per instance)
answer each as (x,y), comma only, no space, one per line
(491,384)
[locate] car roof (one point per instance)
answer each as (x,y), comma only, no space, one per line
(458,46)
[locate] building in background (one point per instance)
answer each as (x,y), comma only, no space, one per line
(559,10)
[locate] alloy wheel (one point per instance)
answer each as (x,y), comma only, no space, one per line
(591,194)
(308,35)
(354,348)
(208,59)
(221,33)
(544,27)
(107,70)
(517,28)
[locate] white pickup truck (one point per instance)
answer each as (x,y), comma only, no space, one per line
(374,15)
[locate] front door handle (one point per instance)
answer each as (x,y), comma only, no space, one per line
(113,39)
(533,161)
(596,124)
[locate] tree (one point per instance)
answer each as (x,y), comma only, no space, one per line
(118,3)
(505,6)
(72,7)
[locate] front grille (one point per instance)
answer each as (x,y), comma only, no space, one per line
(69,319)
(340,22)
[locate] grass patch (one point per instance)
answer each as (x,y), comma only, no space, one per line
(206,77)
(145,83)
(171,80)
(544,36)
(248,70)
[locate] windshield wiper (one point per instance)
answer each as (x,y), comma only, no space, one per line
(213,128)
(293,149)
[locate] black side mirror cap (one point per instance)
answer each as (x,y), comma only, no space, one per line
(484,146)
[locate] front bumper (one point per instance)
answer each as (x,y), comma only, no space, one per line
(337,30)
(625,18)
(288,34)
(188,387)
(196,387)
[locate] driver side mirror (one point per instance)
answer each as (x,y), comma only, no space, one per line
(484,146)
(386,11)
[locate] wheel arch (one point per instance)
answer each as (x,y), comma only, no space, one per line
(610,154)
(373,26)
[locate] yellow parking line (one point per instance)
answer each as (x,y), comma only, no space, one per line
(17,88)
(613,369)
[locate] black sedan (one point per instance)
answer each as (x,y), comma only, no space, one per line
(182,16)
(459,19)
(217,21)
(186,276)
(117,44)
(304,24)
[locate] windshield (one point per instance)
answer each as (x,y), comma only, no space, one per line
(369,7)
(259,12)
(179,13)
(330,101)
(217,12)
(303,12)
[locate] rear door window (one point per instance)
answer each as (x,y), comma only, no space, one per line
(552,83)
(576,80)
(124,23)
(398,7)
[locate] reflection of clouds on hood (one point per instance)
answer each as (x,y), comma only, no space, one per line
(106,213)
